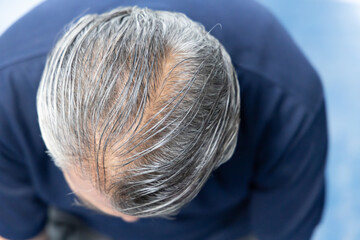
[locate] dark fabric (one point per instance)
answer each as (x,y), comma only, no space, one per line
(249,237)
(64,226)
(273,186)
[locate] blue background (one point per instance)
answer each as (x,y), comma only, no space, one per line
(328,31)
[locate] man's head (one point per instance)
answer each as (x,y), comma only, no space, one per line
(137,108)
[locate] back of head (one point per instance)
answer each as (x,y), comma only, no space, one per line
(144,103)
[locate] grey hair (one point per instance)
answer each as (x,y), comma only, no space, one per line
(145,103)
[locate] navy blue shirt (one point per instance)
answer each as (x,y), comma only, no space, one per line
(273,186)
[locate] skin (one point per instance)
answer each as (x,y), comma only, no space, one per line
(92,198)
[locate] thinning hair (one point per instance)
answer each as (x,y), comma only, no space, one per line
(145,103)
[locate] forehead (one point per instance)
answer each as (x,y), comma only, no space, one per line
(92,198)
(84,189)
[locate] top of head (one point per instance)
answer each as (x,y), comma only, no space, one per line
(144,103)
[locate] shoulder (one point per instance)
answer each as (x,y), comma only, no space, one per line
(18,123)
(37,32)
(259,45)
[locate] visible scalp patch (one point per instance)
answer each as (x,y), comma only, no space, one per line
(146,103)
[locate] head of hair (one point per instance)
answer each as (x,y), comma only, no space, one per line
(144,103)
